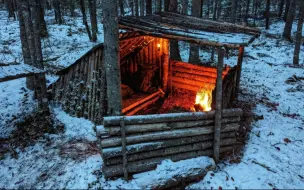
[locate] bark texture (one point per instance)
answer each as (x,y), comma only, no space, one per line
(299,35)
(111,57)
(194,49)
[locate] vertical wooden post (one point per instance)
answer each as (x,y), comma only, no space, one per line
(239,70)
(124,148)
(218,111)
(165,65)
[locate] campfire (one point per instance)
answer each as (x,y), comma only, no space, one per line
(203,100)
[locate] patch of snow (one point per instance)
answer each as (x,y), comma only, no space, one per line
(164,172)
(76,127)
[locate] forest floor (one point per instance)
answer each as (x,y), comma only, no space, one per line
(272,158)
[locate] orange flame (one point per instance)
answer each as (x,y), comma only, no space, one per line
(204,99)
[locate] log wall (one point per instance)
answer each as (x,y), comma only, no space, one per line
(147,57)
(81,87)
(196,77)
(138,143)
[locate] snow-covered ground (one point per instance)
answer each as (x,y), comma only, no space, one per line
(272,158)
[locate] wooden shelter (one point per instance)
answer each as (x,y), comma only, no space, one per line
(134,143)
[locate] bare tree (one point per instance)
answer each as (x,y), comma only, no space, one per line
(72,8)
(185,7)
(267,13)
(31,47)
(194,49)
(136,6)
(111,57)
(216,2)
(290,18)
(84,18)
(233,10)
(286,9)
(299,35)
(58,12)
(10,8)
(174,49)
(93,18)
(148,7)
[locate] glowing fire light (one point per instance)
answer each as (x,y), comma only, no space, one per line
(204,99)
(158,47)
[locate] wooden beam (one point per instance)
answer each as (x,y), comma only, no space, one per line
(239,70)
(218,113)
(124,149)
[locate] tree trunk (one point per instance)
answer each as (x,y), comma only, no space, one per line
(10,8)
(299,35)
(185,7)
(136,8)
(233,10)
(30,27)
(267,13)
(23,36)
(111,57)
(142,7)
(281,7)
(72,8)
(158,5)
(148,7)
(219,10)
(174,49)
(216,2)
(58,14)
(247,11)
(194,49)
(289,21)
(286,10)
(84,19)
(42,24)
(93,18)
(121,7)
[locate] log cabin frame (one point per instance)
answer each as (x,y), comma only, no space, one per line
(138,143)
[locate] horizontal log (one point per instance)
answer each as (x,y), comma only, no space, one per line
(221,25)
(172,117)
(170,150)
(178,85)
(142,128)
(177,76)
(151,163)
(155,136)
(196,72)
(141,101)
(189,66)
(193,83)
(142,106)
(163,33)
(108,153)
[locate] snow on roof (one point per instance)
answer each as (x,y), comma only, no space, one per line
(191,29)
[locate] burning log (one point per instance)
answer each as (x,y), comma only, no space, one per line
(169,151)
(151,163)
(154,136)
